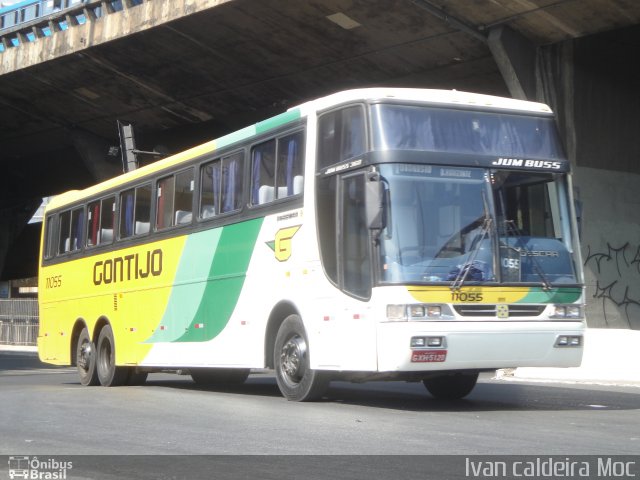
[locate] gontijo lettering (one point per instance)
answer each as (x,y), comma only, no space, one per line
(129,267)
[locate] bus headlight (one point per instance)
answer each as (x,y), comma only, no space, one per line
(417,312)
(571,312)
(574,311)
(396,313)
(434,311)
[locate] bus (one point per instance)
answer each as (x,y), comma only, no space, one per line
(374,234)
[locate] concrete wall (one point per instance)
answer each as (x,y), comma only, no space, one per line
(610,245)
(605,125)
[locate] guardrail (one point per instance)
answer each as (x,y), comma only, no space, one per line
(19,322)
(28,21)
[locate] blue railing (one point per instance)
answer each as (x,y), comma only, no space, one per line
(20,12)
(26,21)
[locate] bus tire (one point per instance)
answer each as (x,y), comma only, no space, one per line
(296,380)
(86,359)
(108,373)
(451,387)
(219,376)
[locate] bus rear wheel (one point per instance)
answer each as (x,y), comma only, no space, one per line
(86,359)
(451,387)
(108,373)
(296,380)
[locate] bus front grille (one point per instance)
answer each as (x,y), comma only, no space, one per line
(515,310)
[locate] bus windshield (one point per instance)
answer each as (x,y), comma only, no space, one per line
(403,127)
(475,226)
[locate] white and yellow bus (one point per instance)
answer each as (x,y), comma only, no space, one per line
(374,234)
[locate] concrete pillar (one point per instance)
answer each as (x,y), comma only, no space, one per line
(516,59)
(555,77)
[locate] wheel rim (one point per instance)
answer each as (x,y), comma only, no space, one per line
(293,360)
(84,356)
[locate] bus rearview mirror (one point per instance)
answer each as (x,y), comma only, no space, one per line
(374,201)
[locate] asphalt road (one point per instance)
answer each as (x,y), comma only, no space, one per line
(45,411)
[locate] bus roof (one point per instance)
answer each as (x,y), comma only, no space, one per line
(442,98)
(434,97)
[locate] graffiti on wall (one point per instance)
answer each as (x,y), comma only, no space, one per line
(617,272)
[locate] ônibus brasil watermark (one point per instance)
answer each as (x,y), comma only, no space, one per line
(35,468)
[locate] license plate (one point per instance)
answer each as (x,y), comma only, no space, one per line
(428,356)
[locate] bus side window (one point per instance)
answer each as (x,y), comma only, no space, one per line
(49,239)
(263,163)
(77,229)
(70,231)
(135,211)
(143,209)
(175,200)
(210,189)
(290,165)
(183,200)
(164,209)
(64,227)
(277,169)
(231,191)
(326,200)
(93,222)
(127,200)
(107,220)
(341,135)
(221,189)
(354,238)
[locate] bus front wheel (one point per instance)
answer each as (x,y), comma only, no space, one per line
(108,373)
(451,387)
(296,380)
(86,359)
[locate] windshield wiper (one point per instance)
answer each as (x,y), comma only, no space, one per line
(512,227)
(470,263)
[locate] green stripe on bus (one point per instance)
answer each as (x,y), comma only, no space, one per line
(554,295)
(278,121)
(258,128)
(226,279)
(235,137)
(189,284)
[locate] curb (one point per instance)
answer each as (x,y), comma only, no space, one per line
(611,357)
(19,348)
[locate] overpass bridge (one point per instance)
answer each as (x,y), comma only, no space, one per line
(185,71)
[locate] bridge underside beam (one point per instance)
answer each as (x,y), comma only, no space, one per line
(515,56)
